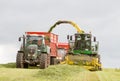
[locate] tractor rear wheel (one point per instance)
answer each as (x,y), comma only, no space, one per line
(43,61)
(48,59)
(19,60)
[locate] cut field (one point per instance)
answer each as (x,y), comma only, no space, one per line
(8,72)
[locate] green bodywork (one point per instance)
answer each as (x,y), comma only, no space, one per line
(83,44)
(31,44)
(82,52)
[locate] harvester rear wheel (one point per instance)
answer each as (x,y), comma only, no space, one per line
(43,61)
(19,60)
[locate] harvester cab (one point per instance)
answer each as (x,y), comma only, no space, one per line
(33,51)
(83,44)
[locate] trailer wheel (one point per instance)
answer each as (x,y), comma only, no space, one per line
(19,60)
(43,61)
(53,61)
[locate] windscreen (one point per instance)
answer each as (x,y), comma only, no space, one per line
(82,41)
(34,39)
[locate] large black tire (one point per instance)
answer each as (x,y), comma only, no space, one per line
(19,60)
(43,61)
(25,65)
(53,61)
(48,60)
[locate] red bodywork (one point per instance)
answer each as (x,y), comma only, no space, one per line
(64,46)
(62,50)
(52,42)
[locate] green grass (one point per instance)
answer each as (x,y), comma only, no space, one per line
(52,73)
(65,72)
(9,65)
(109,75)
(59,72)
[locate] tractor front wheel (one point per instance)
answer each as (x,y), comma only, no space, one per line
(43,61)
(19,60)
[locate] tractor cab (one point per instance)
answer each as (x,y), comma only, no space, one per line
(34,44)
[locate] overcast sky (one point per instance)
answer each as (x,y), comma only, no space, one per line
(102,17)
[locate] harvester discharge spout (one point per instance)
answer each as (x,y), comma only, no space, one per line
(79,30)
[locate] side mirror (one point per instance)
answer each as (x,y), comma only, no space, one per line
(68,37)
(19,39)
(94,39)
